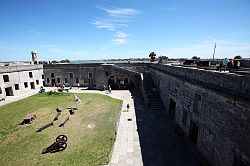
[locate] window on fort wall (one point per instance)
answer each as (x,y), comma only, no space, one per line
(58,80)
(1,90)
(90,75)
(47,80)
(37,82)
(30,75)
(70,75)
(197,103)
(6,78)
(43,76)
(52,75)
(85,80)
(77,80)
(16,86)
(66,80)
(25,84)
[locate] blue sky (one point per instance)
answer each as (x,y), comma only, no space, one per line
(105,29)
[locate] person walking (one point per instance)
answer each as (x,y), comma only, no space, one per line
(128,107)
(109,89)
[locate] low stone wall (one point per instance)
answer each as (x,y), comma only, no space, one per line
(245,63)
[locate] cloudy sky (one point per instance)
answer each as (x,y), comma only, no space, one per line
(105,29)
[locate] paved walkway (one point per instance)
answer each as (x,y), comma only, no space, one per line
(10,99)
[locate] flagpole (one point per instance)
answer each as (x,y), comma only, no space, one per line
(214,50)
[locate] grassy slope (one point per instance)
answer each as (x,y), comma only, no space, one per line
(89,130)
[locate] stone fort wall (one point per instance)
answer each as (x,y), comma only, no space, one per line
(217,103)
(72,74)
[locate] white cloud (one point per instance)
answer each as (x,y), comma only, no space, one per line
(110,24)
(115,19)
(120,38)
(121,12)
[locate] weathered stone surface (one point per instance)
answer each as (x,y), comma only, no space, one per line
(223,120)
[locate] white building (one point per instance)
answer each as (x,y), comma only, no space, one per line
(15,80)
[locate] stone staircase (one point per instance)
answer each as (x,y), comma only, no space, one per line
(160,145)
(154,99)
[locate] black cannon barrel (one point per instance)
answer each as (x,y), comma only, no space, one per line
(44,126)
(63,122)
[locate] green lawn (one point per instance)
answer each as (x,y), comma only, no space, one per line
(90,130)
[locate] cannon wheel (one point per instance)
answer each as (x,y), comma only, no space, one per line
(62,138)
(62,145)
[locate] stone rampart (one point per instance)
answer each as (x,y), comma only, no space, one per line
(202,99)
(228,83)
(10,69)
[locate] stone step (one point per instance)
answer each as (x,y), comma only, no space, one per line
(155,101)
(157,108)
(156,104)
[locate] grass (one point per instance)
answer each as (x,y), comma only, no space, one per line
(90,130)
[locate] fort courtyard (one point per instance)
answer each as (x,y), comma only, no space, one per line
(90,130)
(167,114)
(125,83)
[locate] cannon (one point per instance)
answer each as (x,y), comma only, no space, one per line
(71,111)
(44,126)
(57,146)
(58,109)
(63,122)
(56,117)
(28,119)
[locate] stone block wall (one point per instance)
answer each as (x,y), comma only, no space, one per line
(229,83)
(223,118)
(101,74)
(78,71)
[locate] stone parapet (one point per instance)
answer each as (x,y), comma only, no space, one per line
(228,83)
(10,69)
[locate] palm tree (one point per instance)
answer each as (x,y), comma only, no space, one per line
(152,56)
